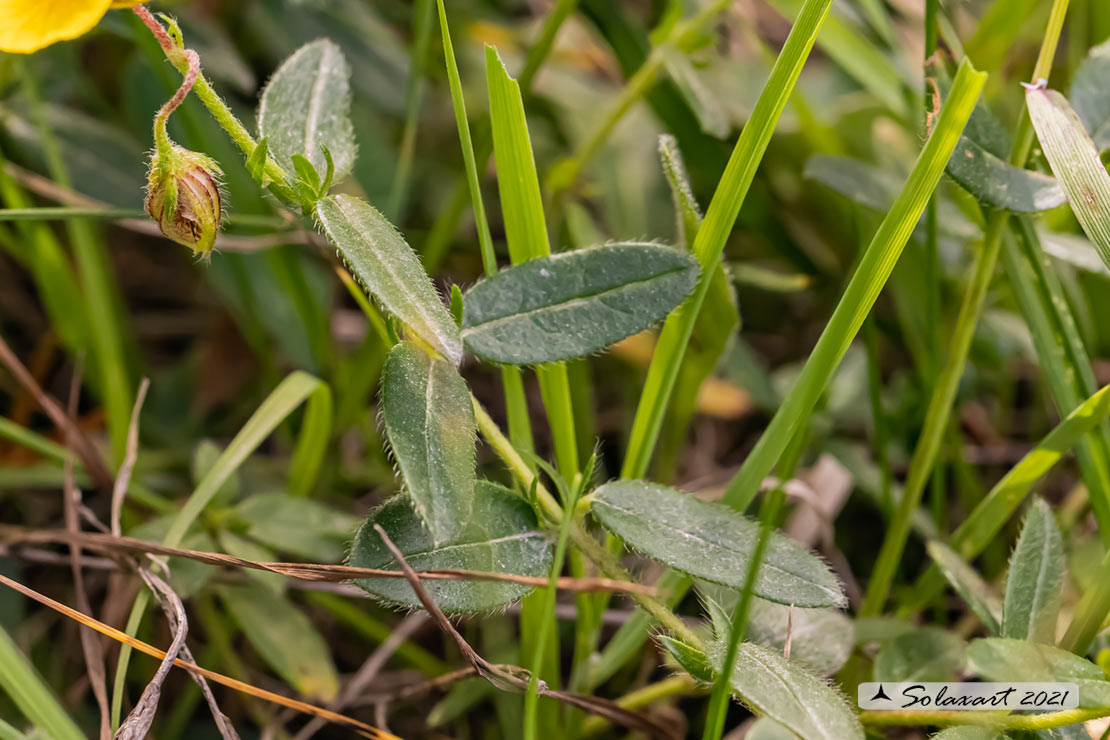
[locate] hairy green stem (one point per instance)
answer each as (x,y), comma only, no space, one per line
(605,561)
(680,685)
(174,50)
(997,720)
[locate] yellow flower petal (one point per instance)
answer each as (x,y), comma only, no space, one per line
(29,25)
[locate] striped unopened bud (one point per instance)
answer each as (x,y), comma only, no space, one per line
(183,196)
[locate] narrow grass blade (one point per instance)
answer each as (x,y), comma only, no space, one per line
(298,388)
(710,241)
(988,518)
(517,181)
(526,234)
(539,51)
(1061,352)
(1075,162)
(49,266)
(716,324)
(103,303)
(423,15)
(737,631)
(540,646)
(520,426)
(868,280)
(1088,94)
(1090,613)
(26,689)
(860,58)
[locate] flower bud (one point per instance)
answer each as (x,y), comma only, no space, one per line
(183,196)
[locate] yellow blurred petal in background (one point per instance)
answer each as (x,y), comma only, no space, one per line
(29,25)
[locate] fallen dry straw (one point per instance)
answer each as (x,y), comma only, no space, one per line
(107,543)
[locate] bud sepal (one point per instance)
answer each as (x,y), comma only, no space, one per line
(183,197)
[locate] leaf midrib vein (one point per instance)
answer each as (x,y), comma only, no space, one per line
(569,303)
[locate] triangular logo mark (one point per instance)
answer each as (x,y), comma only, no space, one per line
(880,694)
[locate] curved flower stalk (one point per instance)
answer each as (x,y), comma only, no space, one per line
(183,191)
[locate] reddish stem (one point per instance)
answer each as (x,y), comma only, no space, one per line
(186,85)
(154,26)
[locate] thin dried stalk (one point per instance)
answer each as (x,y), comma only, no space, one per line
(369,671)
(91,649)
(364,729)
(83,446)
(12,535)
(131,454)
(515,678)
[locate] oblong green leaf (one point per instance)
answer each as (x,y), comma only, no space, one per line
(306,106)
(980,163)
(305,527)
(389,270)
(501,537)
(1075,162)
(997,183)
(820,639)
(284,638)
(926,654)
(768,729)
(692,660)
(574,303)
(781,690)
(430,424)
(998,659)
(1032,602)
(712,541)
(968,584)
(877,189)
